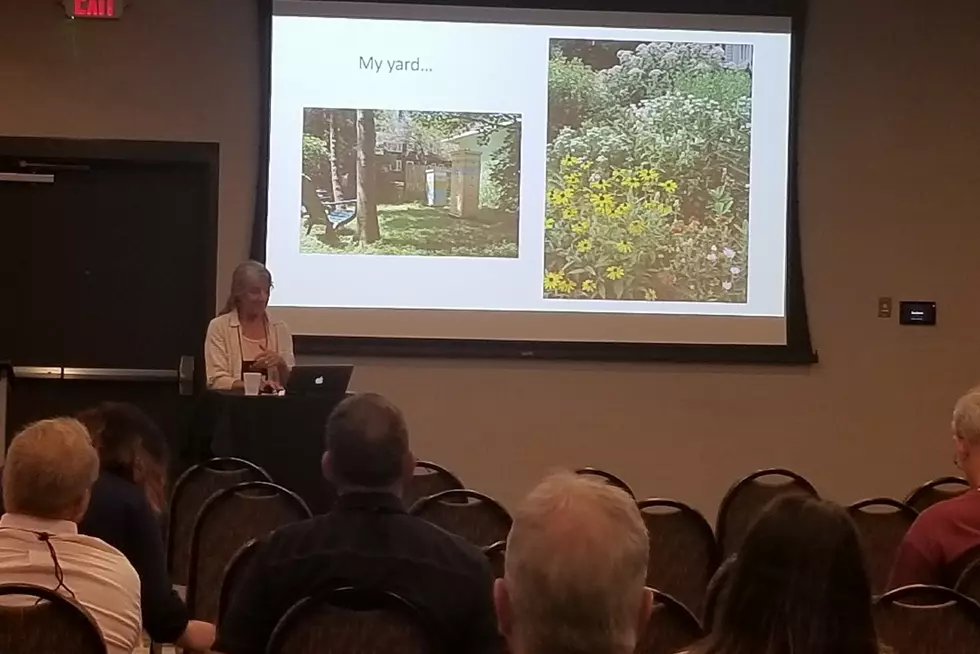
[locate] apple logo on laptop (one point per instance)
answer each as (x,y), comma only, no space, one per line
(318,381)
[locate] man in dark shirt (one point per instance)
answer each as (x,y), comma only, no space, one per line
(941,542)
(367,541)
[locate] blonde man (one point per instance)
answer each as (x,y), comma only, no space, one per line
(945,538)
(575,571)
(47,481)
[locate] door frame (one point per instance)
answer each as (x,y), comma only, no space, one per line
(57,151)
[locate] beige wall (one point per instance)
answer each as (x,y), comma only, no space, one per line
(889,200)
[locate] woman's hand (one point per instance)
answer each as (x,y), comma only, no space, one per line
(269,360)
(271,387)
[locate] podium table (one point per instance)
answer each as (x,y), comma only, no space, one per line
(282,434)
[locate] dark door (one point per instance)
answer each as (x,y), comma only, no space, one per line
(108,273)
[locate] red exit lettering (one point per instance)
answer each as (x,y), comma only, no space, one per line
(95,8)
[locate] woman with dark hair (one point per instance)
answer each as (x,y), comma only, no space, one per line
(798,586)
(127,502)
(245,338)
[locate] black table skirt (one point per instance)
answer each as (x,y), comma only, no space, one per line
(283,435)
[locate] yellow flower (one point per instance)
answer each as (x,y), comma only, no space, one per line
(569,212)
(589,286)
(602,203)
(670,186)
(649,294)
(553,281)
(586,165)
(615,272)
(600,185)
(567,286)
(569,161)
(573,179)
(549,223)
(620,210)
(581,227)
(630,182)
(636,227)
(561,197)
(583,246)
(624,247)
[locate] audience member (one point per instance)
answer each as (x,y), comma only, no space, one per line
(575,571)
(127,501)
(367,541)
(946,537)
(799,584)
(47,482)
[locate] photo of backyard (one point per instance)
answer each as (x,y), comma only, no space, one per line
(418,183)
(648,171)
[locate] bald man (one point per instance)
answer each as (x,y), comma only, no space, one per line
(575,571)
(47,482)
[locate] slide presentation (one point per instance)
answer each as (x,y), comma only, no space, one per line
(528,175)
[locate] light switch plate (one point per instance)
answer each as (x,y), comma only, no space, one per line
(884,307)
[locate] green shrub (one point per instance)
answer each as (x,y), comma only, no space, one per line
(575,92)
(728,87)
(655,69)
(315,161)
(697,142)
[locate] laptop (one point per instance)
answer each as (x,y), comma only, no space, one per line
(329,381)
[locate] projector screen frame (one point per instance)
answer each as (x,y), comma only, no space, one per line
(798,349)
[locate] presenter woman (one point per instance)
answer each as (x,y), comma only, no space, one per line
(244,338)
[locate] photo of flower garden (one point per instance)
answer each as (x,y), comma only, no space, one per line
(648,171)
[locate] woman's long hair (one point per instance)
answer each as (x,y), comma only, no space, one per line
(239,281)
(798,586)
(131,446)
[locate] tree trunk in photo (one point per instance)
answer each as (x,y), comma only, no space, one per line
(333,143)
(367,206)
(347,157)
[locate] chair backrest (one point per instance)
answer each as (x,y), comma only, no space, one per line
(496,554)
(935,491)
(429,479)
(607,477)
(683,552)
(479,519)
(882,523)
(717,593)
(234,574)
(928,620)
(672,627)
(228,520)
(351,621)
(746,499)
(36,620)
(969,582)
(191,490)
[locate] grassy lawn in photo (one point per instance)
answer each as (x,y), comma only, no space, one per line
(419,230)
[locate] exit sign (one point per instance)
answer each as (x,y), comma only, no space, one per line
(94,8)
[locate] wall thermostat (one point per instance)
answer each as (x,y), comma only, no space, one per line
(917,313)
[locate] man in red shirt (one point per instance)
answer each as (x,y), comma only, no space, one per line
(946,537)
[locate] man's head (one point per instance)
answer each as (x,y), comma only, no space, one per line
(575,571)
(51,466)
(367,445)
(966,435)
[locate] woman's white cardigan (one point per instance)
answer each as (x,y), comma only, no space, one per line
(223,349)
